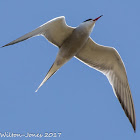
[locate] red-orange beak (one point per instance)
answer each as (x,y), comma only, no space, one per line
(97,18)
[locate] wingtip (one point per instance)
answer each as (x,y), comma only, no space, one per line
(134,127)
(5,45)
(2,46)
(134,122)
(134,130)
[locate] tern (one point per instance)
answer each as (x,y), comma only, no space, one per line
(76,42)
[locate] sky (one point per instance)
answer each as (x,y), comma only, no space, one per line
(77,102)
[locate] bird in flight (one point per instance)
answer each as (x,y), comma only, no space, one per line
(76,42)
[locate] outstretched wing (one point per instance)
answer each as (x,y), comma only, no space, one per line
(55,30)
(108,61)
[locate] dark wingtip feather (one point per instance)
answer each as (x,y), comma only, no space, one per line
(134,126)
(133,123)
(5,45)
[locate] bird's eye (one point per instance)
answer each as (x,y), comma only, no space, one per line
(87,20)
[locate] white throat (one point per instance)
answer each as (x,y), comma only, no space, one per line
(87,26)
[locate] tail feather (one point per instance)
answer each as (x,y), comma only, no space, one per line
(50,73)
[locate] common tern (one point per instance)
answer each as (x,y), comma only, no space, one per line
(76,42)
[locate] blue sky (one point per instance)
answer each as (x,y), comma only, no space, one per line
(77,101)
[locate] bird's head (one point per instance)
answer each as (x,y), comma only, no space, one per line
(89,23)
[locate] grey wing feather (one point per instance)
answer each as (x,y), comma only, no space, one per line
(55,30)
(25,37)
(108,61)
